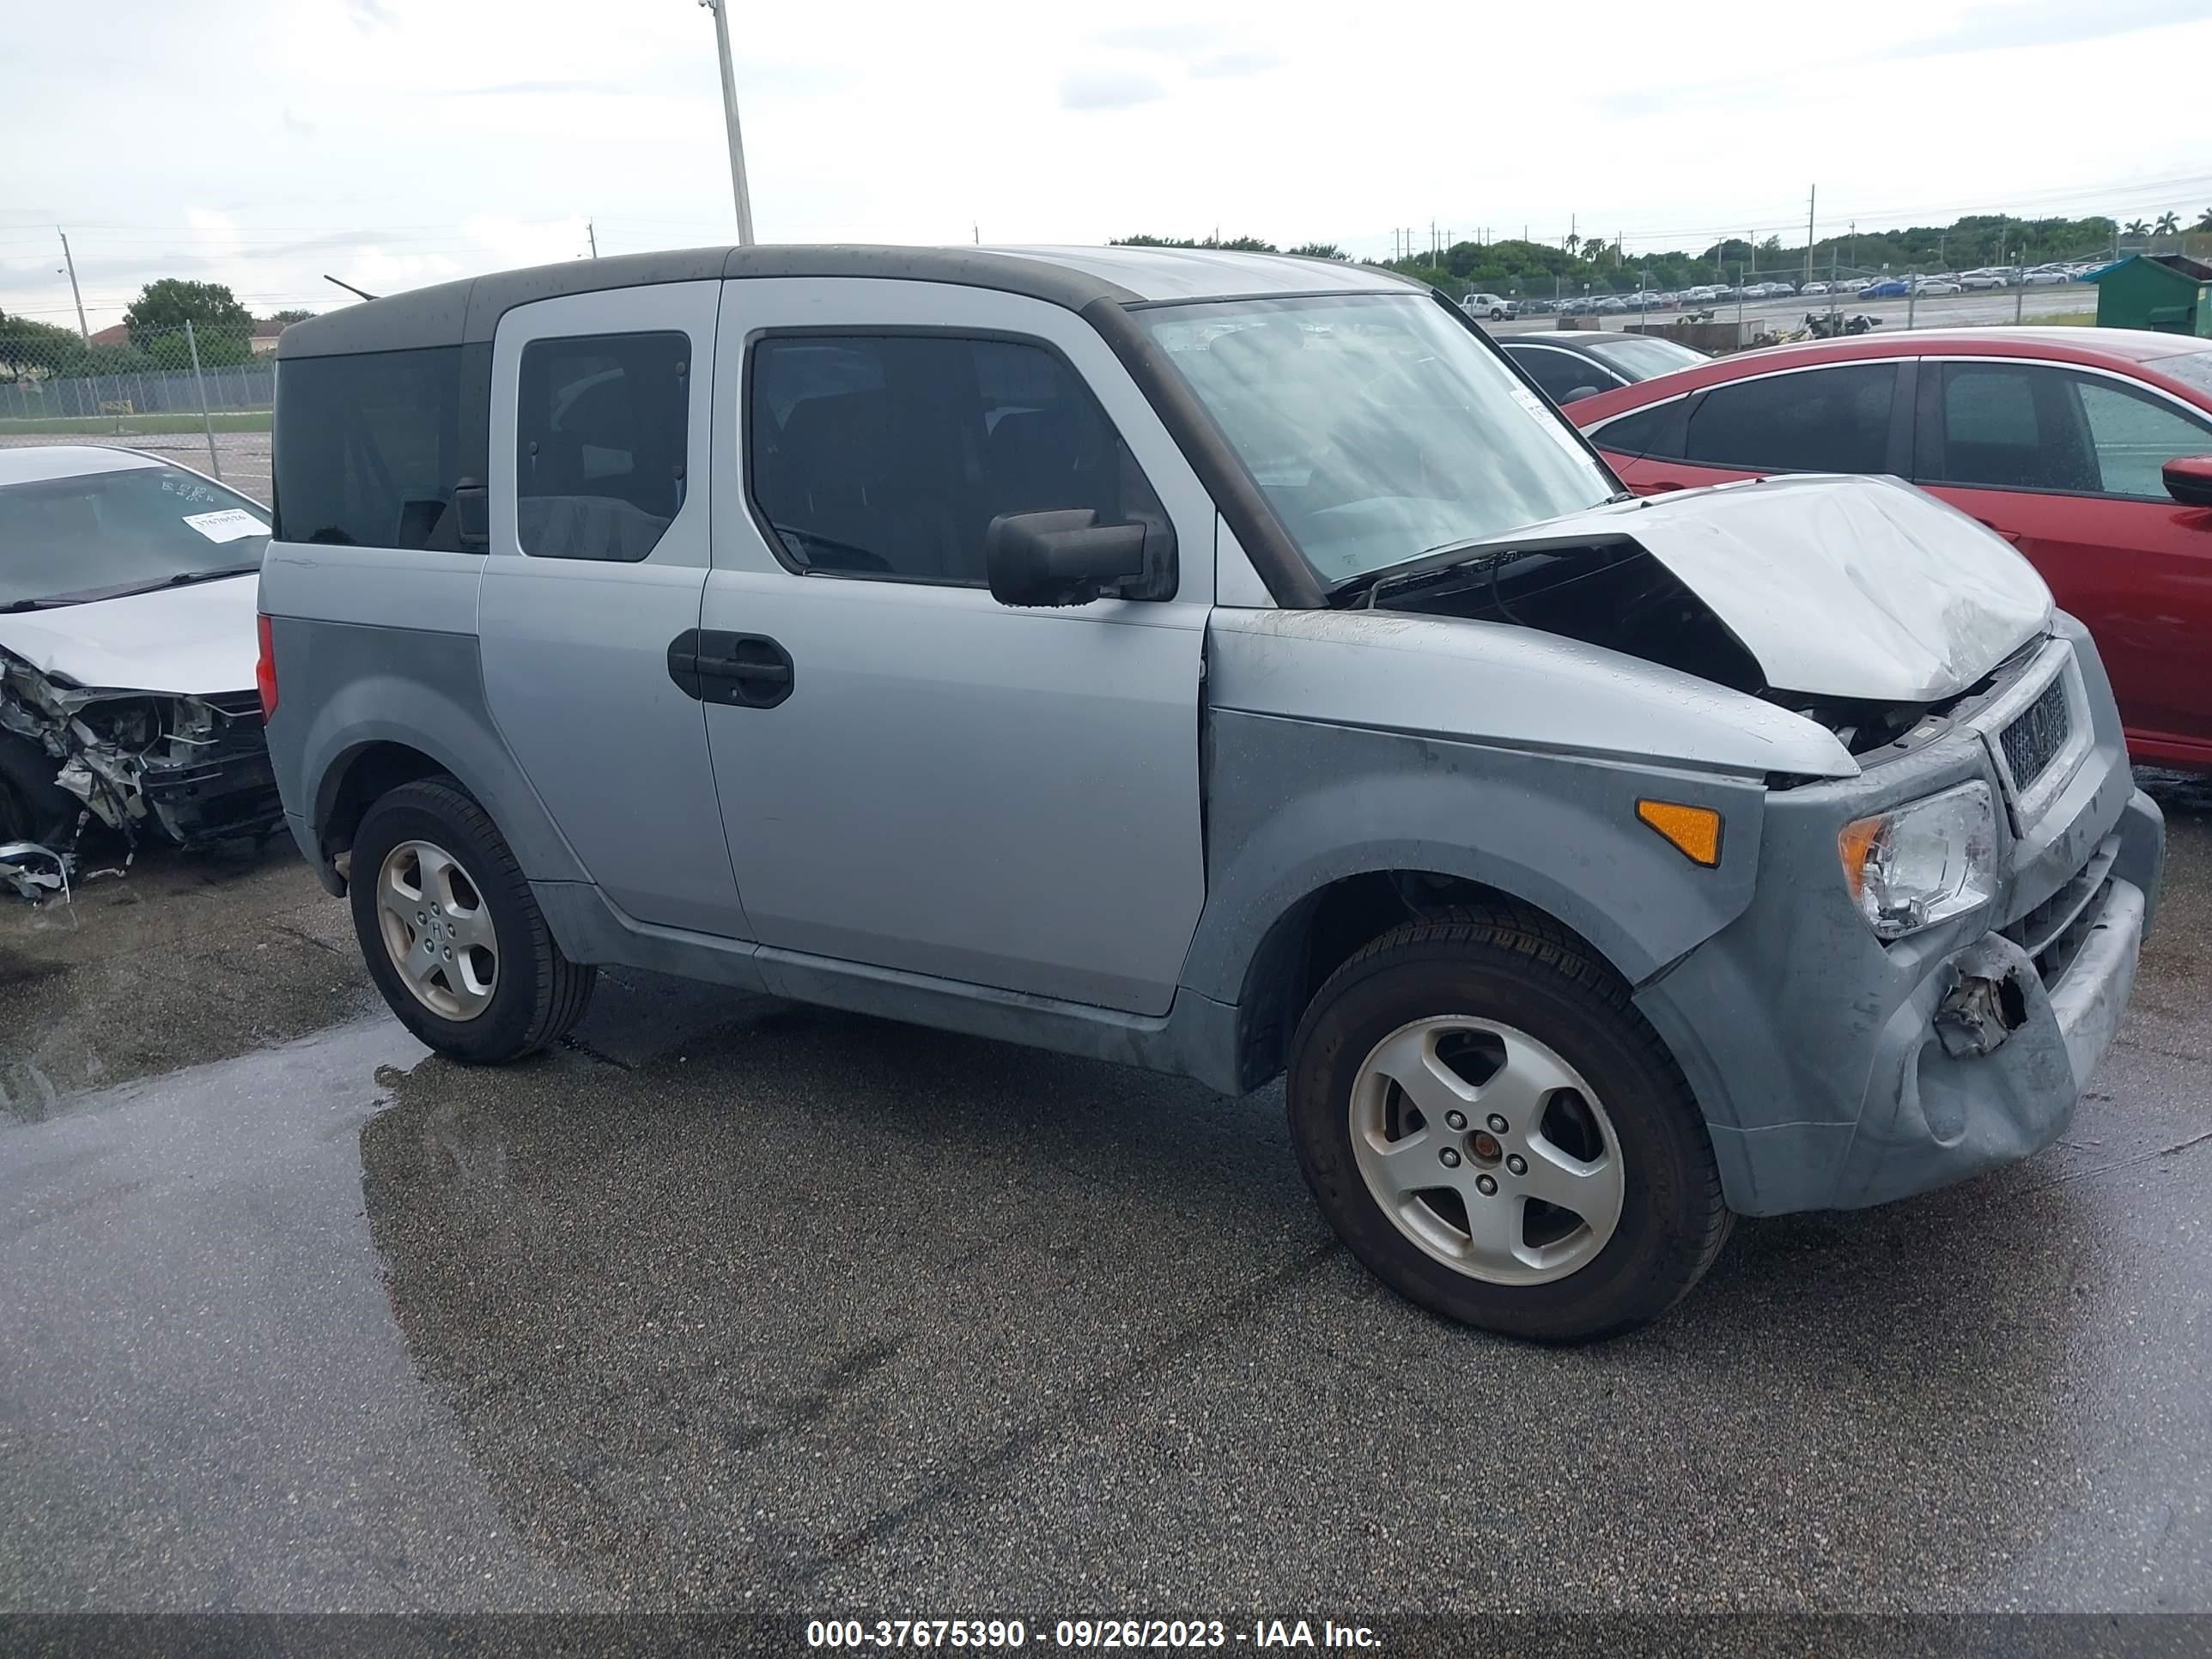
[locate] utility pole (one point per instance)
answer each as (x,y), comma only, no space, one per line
(739,190)
(593,235)
(69,260)
(1811,197)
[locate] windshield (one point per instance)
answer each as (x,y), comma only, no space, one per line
(103,534)
(1378,427)
(1640,360)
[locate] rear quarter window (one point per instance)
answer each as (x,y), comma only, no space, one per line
(368,447)
(1644,433)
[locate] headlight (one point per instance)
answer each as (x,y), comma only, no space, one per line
(1921,864)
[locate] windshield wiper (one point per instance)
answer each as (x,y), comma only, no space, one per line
(185,578)
(14,605)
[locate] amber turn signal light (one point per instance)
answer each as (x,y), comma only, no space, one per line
(1695,831)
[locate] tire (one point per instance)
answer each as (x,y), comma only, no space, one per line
(33,807)
(1503,980)
(527,997)
(1495,315)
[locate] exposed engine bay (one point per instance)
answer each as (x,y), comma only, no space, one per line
(1610,592)
(184,770)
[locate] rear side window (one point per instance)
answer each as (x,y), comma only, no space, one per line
(602,423)
(888,456)
(369,447)
(1822,420)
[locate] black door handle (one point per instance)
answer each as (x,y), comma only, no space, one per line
(744,670)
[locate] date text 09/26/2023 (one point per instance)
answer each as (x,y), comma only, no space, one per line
(1008,1635)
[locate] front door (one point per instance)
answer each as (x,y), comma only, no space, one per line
(2065,464)
(914,776)
(601,416)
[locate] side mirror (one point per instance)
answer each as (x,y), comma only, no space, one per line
(1577,394)
(2188,479)
(1068,557)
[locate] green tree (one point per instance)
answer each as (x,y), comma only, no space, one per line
(29,348)
(223,327)
(2135,228)
(2204,220)
(287,317)
(1319,251)
(2167,224)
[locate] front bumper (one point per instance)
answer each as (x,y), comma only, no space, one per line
(1836,1073)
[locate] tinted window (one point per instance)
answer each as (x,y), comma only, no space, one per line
(1561,372)
(1827,420)
(1641,434)
(890,455)
(2134,435)
(103,534)
(601,425)
(369,448)
(2008,426)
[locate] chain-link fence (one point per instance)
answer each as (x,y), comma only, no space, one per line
(199,395)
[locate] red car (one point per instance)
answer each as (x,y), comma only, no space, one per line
(2089,449)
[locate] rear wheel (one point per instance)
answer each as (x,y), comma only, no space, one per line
(33,807)
(1499,1136)
(452,933)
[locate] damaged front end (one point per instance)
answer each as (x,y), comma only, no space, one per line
(186,770)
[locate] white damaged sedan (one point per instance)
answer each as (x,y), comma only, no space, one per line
(127,651)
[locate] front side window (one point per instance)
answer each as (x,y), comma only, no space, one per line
(889,455)
(1638,434)
(1822,420)
(101,534)
(602,423)
(1562,373)
(1378,427)
(2006,426)
(2134,435)
(369,447)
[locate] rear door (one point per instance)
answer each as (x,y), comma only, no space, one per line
(2065,464)
(597,558)
(1842,417)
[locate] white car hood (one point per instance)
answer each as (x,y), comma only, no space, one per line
(186,641)
(1854,587)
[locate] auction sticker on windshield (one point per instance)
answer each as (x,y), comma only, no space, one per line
(227,526)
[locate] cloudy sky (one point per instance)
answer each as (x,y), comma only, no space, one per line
(394,142)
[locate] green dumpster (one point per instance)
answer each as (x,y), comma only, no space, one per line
(2166,291)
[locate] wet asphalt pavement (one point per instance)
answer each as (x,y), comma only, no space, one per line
(737,1304)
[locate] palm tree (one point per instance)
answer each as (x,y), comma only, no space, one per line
(2135,227)
(1575,241)
(2204,220)
(2167,224)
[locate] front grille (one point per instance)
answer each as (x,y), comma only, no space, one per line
(2032,741)
(2053,932)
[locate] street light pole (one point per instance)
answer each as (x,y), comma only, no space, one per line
(739,190)
(69,260)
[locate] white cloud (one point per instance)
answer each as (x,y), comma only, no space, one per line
(454,135)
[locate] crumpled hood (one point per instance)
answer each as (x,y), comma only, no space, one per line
(1857,587)
(186,641)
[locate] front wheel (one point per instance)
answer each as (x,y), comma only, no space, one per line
(451,933)
(1499,1135)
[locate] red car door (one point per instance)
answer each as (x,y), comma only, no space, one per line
(2065,463)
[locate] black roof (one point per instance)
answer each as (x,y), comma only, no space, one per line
(1571,337)
(468,310)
